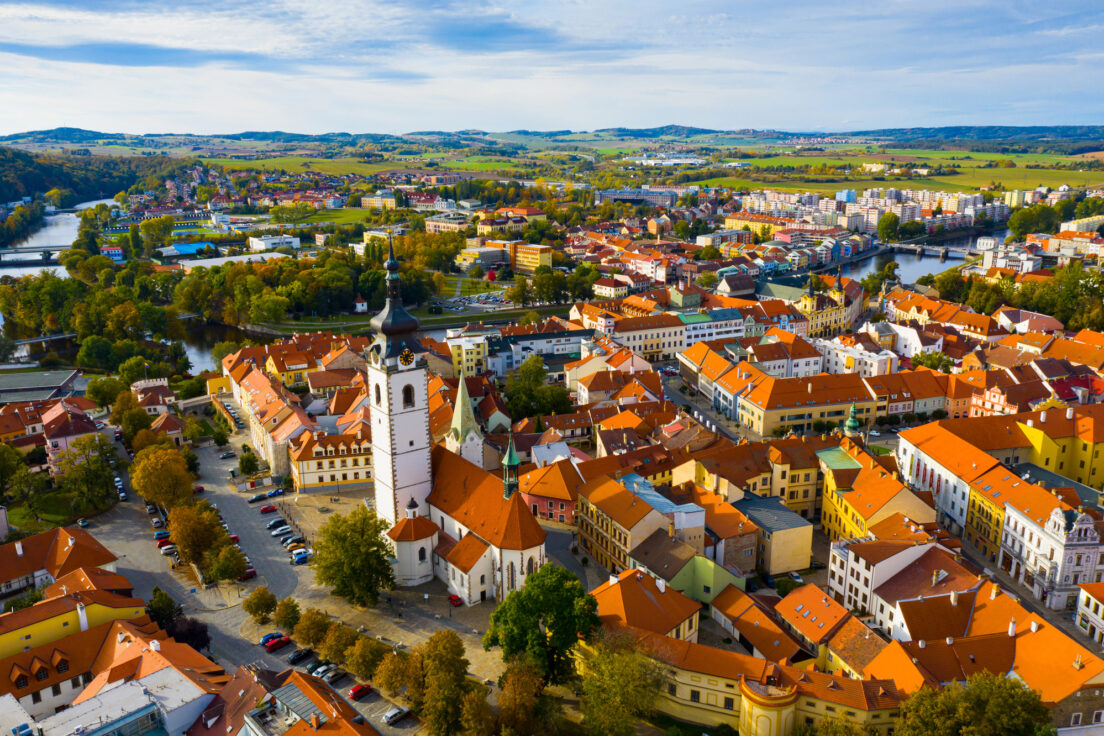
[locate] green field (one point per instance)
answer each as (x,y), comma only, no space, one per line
(342,216)
(56,508)
(299,164)
(467,287)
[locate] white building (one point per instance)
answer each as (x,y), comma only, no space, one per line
(841,356)
(449,517)
(272,242)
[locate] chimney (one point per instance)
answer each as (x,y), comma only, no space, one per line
(155,645)
(18,549)
(1012,627)
(613,579)
(1077,663)
(1042,416)
(935,577)
(1031,422)
(1069,412)
(950,640)
(315,722)
(661,584)
(920,643)
(993,593)
(954,597)
(1034,626)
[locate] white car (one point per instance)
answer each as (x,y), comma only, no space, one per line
(875,434)
(168,549)
(280,531)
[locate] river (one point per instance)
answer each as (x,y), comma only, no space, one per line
(58,230)
(911,266)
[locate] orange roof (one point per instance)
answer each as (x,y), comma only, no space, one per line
(475,498)
(936,564)
(856,644)
(558,480)
(755,625)
(411,530)
(58,551)
(466,552)
(636,600)
(938,616)
(812,612)
(92,578)
(897,664)
(616,501)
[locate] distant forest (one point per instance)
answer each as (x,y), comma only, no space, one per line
(88,177)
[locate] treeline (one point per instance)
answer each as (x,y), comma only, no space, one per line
(23,220)
(88,177)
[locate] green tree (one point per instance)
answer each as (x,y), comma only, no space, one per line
(351,557)
(619,686)
(105,389)
(227,564)
(224,348)
(519,700)
(364,657)
(521,292)
(85,471)
(475,272)
(528,395)
(11,463)
(248,463)
(708,279)
(888,226)
(339,640)
(129,416)
(987,703)
(311,629)
(446,670)
(260,604)
(936,360)
(162,609)
(287,614)
(709,253)
(544,621)
(160,474)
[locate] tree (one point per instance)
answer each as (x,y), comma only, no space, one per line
(194,530)
(445,668)
(85,471)
(312,627)
(287,614)
(191,631)
(364,657)
(160,475)
(476,716)
(708,279)
(888,225)
(936,360)
(351,557)
(475,272)
(228,563)
(339,640)
(104,389)
(162,609)
(219,436)
(11,462)
(709,253)
(248,463)
(544,621)
(128,415)
(148,438)
(987,703)
(619,686)
(520,697)
(391,674)
(224,348)
(260,604)
(521,292)
(134,369)
(527,395)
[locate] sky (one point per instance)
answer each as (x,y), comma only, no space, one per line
(395,66)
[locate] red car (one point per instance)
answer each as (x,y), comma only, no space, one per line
(356,692)
(234,538)
(249,574)
(198,489)
(267,509)
(455,600)
(163,543)
(275,644)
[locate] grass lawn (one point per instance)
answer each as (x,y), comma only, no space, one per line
(878,450)
(57,509)
(467,286)
(343,216)
(295,164)
(445,320)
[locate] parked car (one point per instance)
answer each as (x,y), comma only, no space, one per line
(795,577)
(227,455)
(301,560)
(157,523)
(100,425)
(235,538)
(335,675)
(275,492)
(123,496)
(161,534)
(874,433)
(275,644)
(293,540)
(356,692)
(267,509)
(280,530)
(769,581)
(249,574)
(198,489)
(395,715)
(162,543)
(322,668)
(82,523)
(278,521)
(257,497)
(299,655)
(269,637)
(455,600)
(150,508)
(168,550)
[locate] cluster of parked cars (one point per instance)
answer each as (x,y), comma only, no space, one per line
(119,488)
(295,544)
(234,415)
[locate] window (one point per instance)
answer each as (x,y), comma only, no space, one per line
(695,696)
(20,682)
(56,690)
(729,704)
(42,674)
(671,688)
(421,554)
(37,698)
(408,396)
(379,401)
(1075,720)
(63,666)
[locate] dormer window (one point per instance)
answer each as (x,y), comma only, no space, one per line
(20,682)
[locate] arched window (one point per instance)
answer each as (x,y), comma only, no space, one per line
(408,396)
(421,554)
(510,583)
(530,567)
(379,401)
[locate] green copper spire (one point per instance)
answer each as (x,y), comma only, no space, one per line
(851,427)
(510,463)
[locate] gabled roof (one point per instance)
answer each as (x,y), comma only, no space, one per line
(812,612)
(558,480)
(752,622)
(636,599)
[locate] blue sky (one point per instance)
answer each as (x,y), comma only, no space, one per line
(393,66)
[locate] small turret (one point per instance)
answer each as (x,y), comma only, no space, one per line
(510,463)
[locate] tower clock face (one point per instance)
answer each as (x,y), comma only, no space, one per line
(406,357)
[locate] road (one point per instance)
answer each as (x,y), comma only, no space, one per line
(725,427)
(126,530)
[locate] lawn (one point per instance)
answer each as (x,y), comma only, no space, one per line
(297,164)
(57,509)
(343,216)
(467,286)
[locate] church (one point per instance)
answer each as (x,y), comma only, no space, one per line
(449,518)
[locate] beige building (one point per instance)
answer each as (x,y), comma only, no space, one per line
(612,521)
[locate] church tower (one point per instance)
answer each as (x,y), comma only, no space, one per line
(399,399)
(464,436)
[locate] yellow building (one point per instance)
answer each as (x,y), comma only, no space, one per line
(827,313)
(756,223)
(859,492)
(799,402)
(528,257)
(219,385)
(1068,442)
(331,462)
(710,687)
(612,521)
(291,367)
(985,509)
(58,617)
(469,355)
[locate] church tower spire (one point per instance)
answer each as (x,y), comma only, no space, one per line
(510,463)
(463,416)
